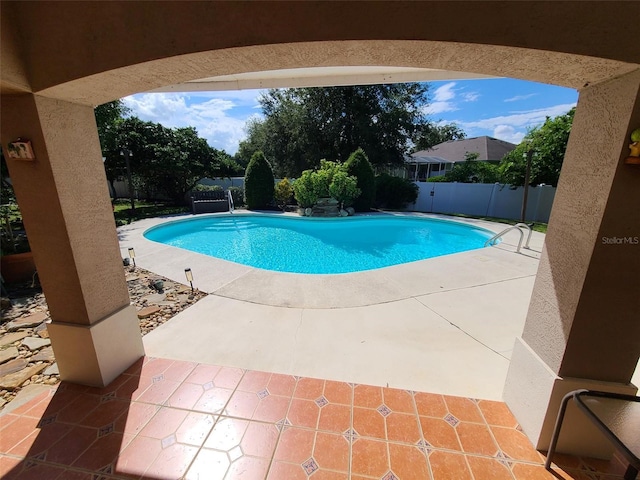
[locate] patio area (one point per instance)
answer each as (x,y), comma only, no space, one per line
(165,419)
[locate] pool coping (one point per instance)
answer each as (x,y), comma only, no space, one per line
(321,291)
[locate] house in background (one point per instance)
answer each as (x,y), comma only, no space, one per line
(441,158)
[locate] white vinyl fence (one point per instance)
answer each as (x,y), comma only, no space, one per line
(484,199)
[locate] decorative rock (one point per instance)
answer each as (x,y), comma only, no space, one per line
(10,338)
(13,366)
(147,312)
(44,355)
(154,298)
(14,380)
(343,213)
(3,402)
(5,303)
(351,210)
(52,370)
(27,322)
(308,212)
(34,343)
(8,354)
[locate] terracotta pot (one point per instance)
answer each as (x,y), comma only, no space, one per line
(18,267)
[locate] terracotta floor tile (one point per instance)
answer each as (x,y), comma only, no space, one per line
(208,465)
(164,423)
(179,371)
(613,466)
(398,400)
(254,381)
(135,417)
(17,431)
(33,402)
(41,439)
(497,413)
(213,400)
(331,452)
(369,423)
(367,396)
(403,427)
(105,413)
(449,466)
(137,456)
(70,446)
(335,418)
(9,464)
(439,433)
(260,440)
(488,469)
(464,409)
(242,404)
(133,387)
(329,475)
(39,472)
(295,445)
(286,471)
(172,462)
(7,419)
(272,408)
(101,453)
(245,468)
(338,392)
(303,413)
(136,367)
(195,428)
(430,405)
(158,392)
(226,434)
(154,367)
(202,374)
(309,388)
(369,457)
(185,396)
(523,471)
(476,438)
(112,387)
(565,461)
(82,406)
(228,377)
(39,408)
(283,385)
(408,463)
(515,444)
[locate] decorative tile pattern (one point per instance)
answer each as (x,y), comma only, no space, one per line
(168,441)
(424,446)
(263,393)
(310,466)
(451,420)
(350,435)
(47,421)
(503,458)
(390,476)
(208,386)
(383,410)
(321,401)
(106,430)
(108,397)
(157,378)
(283,424)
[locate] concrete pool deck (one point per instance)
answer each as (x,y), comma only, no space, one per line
(443,325)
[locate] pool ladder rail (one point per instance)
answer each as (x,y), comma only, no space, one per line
(230,200)
(518,226)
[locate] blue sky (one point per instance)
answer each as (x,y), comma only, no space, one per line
(501,108)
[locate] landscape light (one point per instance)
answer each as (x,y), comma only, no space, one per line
(132,255)
(189,274)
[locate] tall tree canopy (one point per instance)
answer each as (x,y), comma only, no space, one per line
(548,143)
(303,125)
(431,134)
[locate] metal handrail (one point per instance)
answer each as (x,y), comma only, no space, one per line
(230,200)
(519,227)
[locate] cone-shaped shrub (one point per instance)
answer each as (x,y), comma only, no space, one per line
(358,165)
(258,182)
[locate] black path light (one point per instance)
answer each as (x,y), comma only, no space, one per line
(189,274)
(132,255)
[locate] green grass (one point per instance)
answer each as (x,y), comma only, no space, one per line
(143,209)
(537,227)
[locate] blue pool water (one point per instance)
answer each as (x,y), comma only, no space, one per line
(303,245)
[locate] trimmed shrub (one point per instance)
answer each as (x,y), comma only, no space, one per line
(343,188)
(200,187)
(358,165)
(283,193)
(303,190)
(395,192)
(258,182)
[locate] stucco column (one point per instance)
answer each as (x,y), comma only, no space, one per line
(68,217)
(583,325)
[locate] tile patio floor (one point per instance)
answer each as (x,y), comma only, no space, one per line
(165,419)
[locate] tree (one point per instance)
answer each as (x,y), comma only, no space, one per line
(473,171)
(359,166)
(431,134)
(303,125)
(108,115)
(549,143)
(283,193)
(258,182)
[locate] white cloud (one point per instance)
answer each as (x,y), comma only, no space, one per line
(470,96)
(527,118)
(508,134)
(520,97)
(211,113)
(442,100)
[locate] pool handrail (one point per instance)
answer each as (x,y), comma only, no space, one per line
(519,227)
(230,200)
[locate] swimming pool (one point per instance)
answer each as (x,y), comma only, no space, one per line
(319,245)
